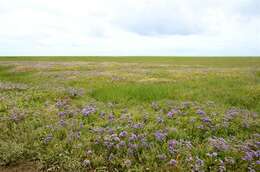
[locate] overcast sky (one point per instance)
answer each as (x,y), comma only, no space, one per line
(129,27)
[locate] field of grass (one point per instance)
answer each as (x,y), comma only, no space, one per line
(130,113)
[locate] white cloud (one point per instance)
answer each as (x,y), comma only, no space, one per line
(129,27)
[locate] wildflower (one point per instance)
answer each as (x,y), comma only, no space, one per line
(123,134)
(108,144)
(116,139)
(170,114)
(199,163)
(121,144)
(249,156)
(159,136)
(206,120)
(172,162)
(219,143)
(88,110)
(173,112)
(200,112)
(133,137)
(61,104)
(137,126)
(172,143)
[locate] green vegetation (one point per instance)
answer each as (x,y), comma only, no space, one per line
(177,113)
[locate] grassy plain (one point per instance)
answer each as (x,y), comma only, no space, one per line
(130,113)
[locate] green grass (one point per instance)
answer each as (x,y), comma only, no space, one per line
(30,87)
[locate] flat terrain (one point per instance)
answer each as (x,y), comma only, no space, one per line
(129,113)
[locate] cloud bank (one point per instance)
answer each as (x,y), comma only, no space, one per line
(130,27)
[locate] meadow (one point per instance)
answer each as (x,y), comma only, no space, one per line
(130,114)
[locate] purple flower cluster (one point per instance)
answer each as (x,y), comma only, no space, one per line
(123,134)
(172,145)
(173,162)
(200,112)
(250,155)
(219,143)
(172,113)
(86,111)
(160,136)
(206,120)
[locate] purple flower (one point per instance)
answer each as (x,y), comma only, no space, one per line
(200,112)
(88,110)
(206,120)
(219,144)
(249,156)
(60,104)
(172,143)
(137,126)
(172,162)
(115,138)
(171,113)
(159,136)
(121,144)
(133,137)
(199,162)
(257,162)
(63,113)
(108,144)
(123,134)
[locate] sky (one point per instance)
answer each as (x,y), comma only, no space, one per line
(130,27)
